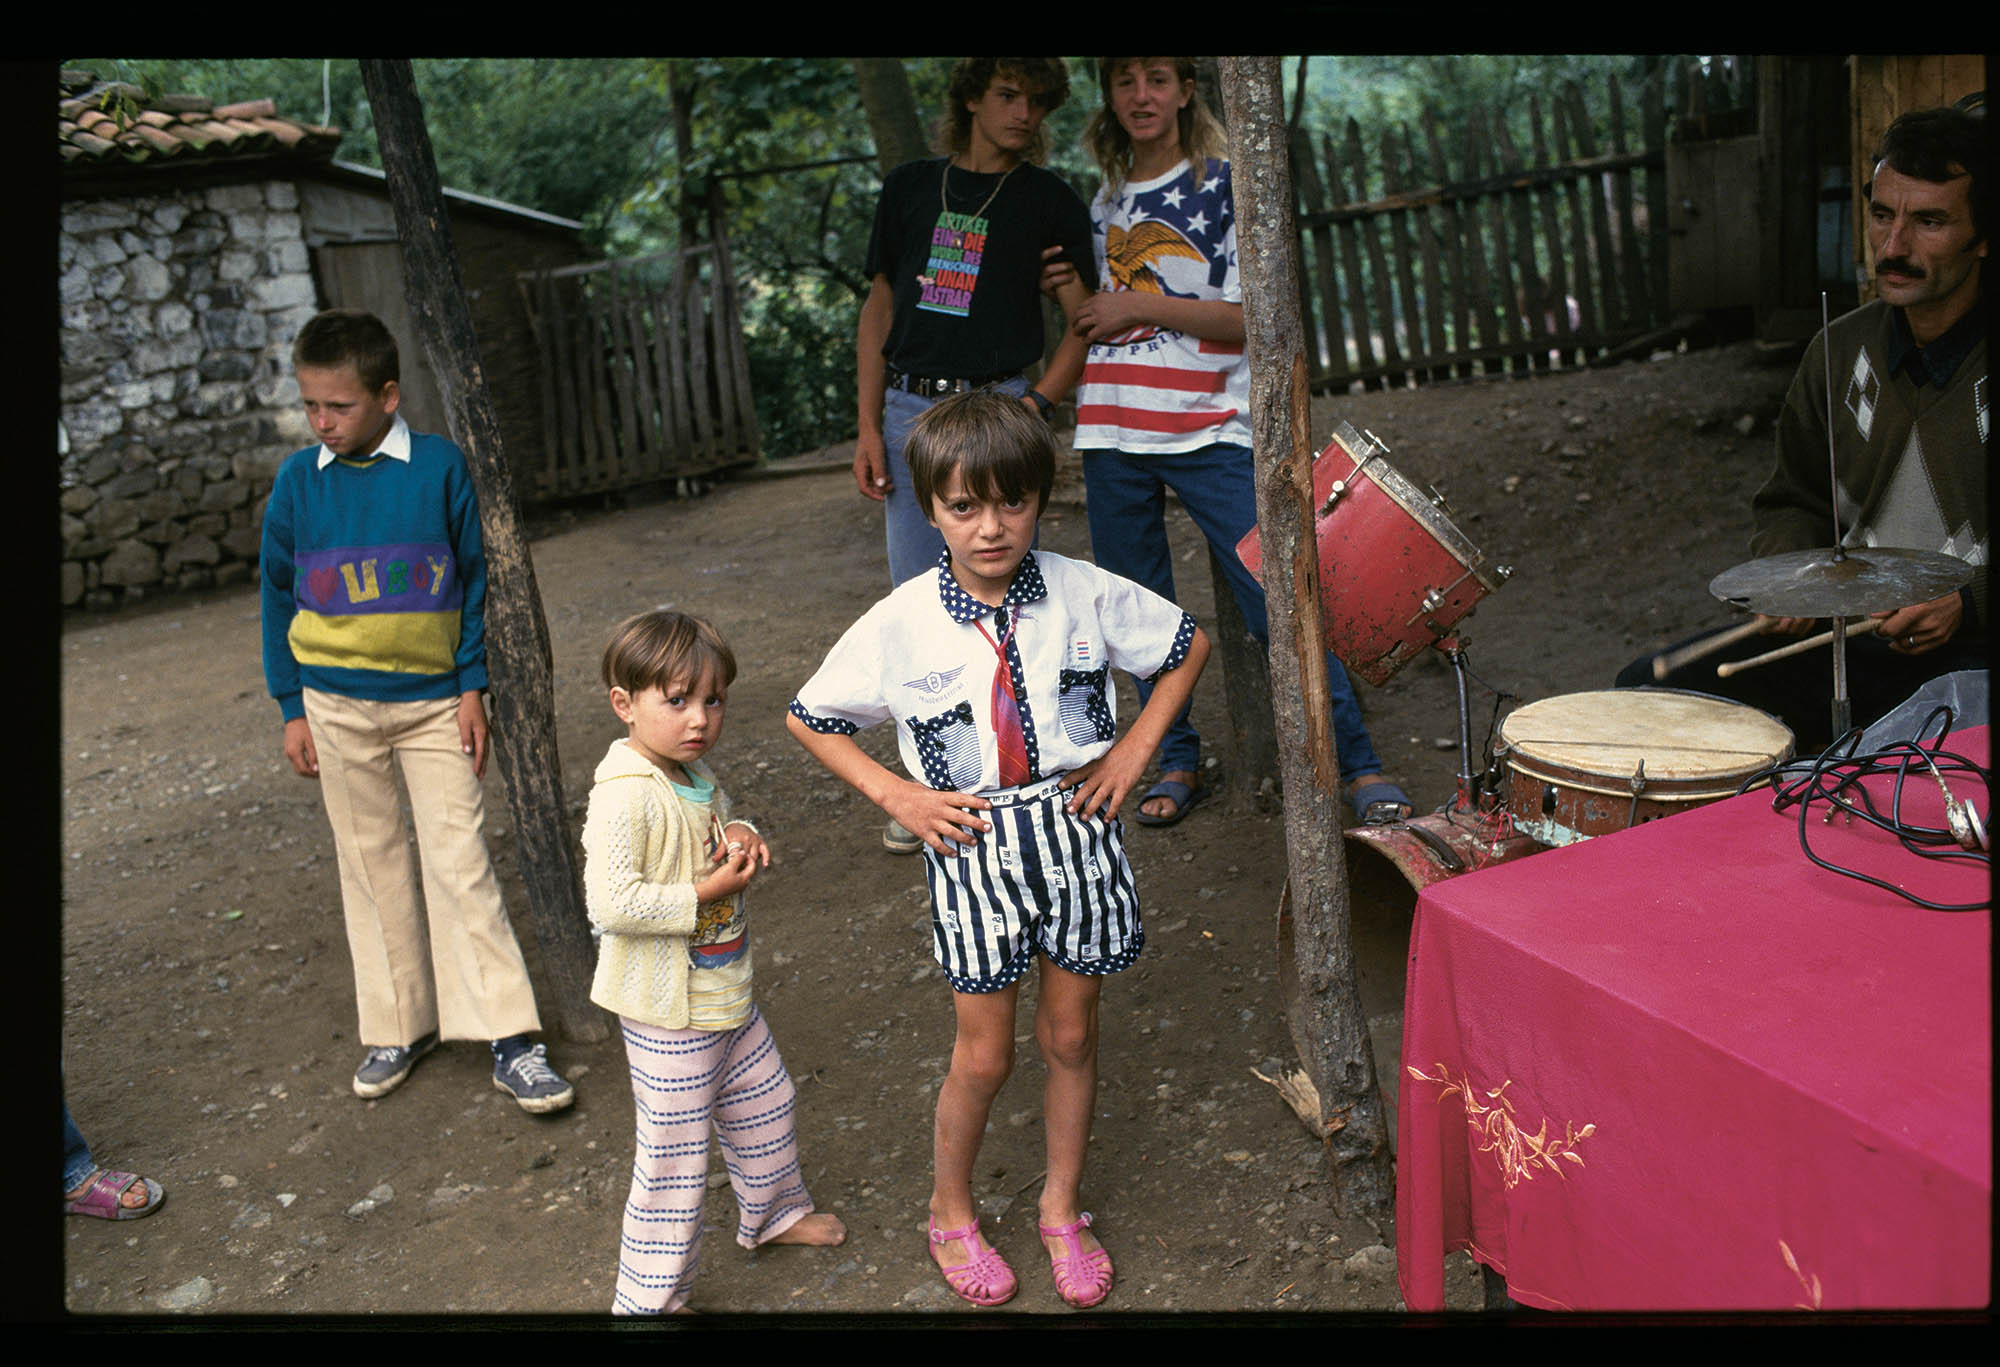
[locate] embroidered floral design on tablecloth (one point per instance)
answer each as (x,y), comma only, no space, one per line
(1517,1152)
(1811,1285)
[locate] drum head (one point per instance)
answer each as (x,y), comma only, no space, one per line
(1694,747)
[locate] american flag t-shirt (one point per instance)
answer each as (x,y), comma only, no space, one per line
(1150,389)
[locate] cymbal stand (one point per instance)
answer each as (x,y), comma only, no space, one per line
(1843,710)
(1453,648)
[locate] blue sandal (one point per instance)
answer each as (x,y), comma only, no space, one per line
(1379,801)
(1184,798)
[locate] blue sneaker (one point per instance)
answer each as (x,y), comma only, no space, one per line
(522,1071)
(383,1071)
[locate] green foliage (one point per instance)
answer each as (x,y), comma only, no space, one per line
(798,231)
(1381,91)
(801,343)
(750,114)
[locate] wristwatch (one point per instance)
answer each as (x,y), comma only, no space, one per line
(1043,403)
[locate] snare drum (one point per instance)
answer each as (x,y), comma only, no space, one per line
(1586,764)
(1394,575)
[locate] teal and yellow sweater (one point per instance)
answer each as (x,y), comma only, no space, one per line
(374,576)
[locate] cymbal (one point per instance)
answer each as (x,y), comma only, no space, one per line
(1863,579)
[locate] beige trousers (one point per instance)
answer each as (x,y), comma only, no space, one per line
(462,974)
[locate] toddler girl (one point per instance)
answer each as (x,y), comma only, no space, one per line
(664,873)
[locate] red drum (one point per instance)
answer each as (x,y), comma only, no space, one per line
(1429,849)
(1394,575)
(1587,764)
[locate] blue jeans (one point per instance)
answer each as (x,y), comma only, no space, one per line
(77,1163)
(1125,496)
(914,545)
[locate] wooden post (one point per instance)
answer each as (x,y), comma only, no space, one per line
(1249,741)
(1322,999)
(517,655)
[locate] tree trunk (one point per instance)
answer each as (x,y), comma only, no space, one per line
(693,198)
(1316,954)
(517,656)
(1249,740)
(892,111)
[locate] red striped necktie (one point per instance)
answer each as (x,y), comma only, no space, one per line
(1007,734)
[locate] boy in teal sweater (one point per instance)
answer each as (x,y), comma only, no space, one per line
(374,585)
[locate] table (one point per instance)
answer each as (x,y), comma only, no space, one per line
(1680,1067)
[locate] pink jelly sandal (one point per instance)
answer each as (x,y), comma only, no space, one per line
(103,1196)
(1082,1279)
(982,1279)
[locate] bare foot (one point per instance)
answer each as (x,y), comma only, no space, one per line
(1164,806)
(820,1230)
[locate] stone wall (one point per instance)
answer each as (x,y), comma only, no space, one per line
(178,402)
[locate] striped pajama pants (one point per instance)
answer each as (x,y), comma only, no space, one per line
(685,1082)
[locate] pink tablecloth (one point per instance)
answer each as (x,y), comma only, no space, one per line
(1680,1067)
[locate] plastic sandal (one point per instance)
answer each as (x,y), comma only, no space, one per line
(1082,1279)
(1379,801)
(982,1279)
(1184,798)
(103,1196)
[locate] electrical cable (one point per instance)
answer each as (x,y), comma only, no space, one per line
(1835,777)
(1490,776)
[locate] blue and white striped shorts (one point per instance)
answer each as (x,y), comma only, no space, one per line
(1040,880)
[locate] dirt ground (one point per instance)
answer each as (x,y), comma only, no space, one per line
(207,1003)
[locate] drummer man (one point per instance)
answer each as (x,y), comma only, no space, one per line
(1910,421)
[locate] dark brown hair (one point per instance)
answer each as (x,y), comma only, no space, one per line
(1000,448)
(661,648)
(353,337)
(1940,145)
(1046,79)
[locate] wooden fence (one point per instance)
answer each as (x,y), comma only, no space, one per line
(643,370)
(1478,258)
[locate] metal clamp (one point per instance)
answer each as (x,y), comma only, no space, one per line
(1638,785)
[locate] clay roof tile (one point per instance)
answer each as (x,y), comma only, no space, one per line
(162,142)
(111,125)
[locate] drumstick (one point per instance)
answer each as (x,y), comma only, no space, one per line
(1723,671)
(1664,665)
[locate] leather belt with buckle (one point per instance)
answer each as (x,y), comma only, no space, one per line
(933,388)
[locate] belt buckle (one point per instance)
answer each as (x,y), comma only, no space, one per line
(939,388)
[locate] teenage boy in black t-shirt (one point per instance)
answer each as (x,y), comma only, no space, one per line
(954,304)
